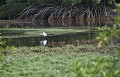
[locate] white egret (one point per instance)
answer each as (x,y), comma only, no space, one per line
(43,34)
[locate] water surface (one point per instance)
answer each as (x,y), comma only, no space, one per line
(50,40)
(58,40)
(48,24)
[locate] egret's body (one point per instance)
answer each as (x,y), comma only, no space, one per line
(43,34)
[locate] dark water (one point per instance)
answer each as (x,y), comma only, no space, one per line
(58,40)
(47,24)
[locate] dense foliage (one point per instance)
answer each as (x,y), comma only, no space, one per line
(2,2)
(109,36)
(88,1)
(59,62)
(10,9)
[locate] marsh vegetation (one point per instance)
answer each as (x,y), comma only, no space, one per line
(77,42)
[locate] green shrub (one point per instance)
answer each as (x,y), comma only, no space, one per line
(11,9)
(108,35)
(100,67)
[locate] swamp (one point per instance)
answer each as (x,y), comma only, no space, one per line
(59,38)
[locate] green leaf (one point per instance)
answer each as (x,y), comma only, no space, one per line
(99,44)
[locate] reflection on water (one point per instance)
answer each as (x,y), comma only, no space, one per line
(43,42)
(58,40)
(39,24)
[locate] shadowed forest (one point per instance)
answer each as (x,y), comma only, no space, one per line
(57,9)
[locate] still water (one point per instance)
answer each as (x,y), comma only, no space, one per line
(47,24)
(58,40)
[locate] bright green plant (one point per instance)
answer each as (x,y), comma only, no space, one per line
(118,7)
(102,39)
(100,67)
(108,36)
